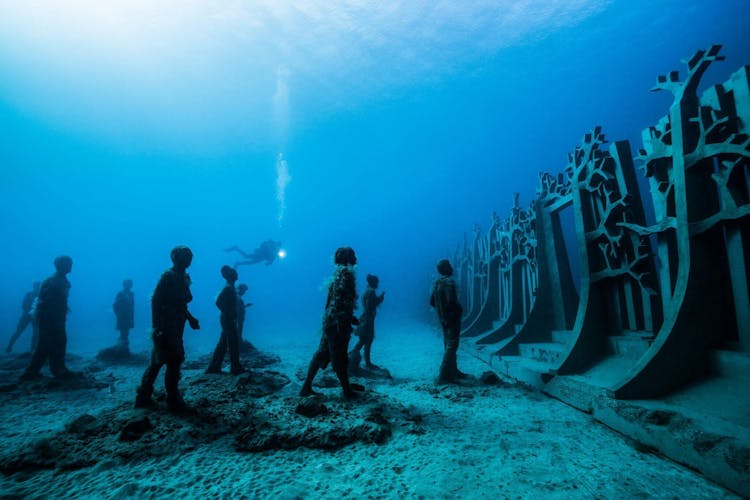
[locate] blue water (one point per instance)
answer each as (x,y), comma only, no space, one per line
(127,128)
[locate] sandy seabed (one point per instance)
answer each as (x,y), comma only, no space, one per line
(474,442)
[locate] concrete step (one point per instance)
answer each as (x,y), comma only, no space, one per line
(564,337)
(632,346)
(526,371)
(644,334)
(731,364)
(711,445)
(575,390)
(547,352)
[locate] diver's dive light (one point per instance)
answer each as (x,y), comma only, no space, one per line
(282,253)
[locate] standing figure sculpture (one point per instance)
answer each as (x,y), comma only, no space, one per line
(337,325)
(266,252)
(229,339)
(444,299)
(51,313)
(366,329)
(169,312)
(245,346)
(124,312)
(26,319)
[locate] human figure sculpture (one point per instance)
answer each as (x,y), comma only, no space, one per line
(444,299)
(27,318)
(245,346)
(366,330)
(337,325)
(169,312)
(229,339)
(124,307)
(51,314)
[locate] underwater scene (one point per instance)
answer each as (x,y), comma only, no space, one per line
(375,249)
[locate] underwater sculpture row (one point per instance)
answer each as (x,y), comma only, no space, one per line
(170,313)
(220,406)
(656,302)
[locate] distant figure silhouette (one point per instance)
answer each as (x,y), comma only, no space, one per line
(268,251)
(366,329)
(337,325)
(169,311)
(51,313)
(445,301)
(229,339)
(245,346)
(124,311)
(27,317)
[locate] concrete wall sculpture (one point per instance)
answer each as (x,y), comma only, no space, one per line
(662,307)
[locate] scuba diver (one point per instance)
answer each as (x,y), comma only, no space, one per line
(338,319)
(169,312)
(267,252)
(124,311)
(366,329)
(27,317)
(51,313)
